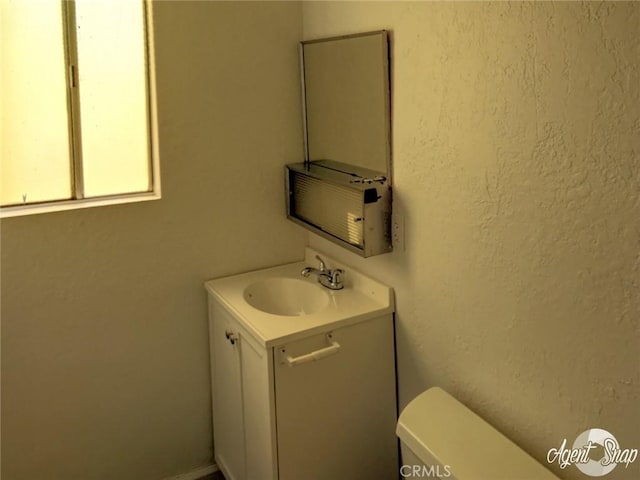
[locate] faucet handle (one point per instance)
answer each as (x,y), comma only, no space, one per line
(322,265)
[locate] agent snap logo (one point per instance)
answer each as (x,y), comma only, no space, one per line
(595,452)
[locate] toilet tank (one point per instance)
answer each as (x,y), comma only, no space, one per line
(441,438)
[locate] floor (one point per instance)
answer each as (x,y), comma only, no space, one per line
(213,476)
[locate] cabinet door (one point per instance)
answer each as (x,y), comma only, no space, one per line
(259,417)
(336,416)
(226,386)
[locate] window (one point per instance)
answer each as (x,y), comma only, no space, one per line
(77,108)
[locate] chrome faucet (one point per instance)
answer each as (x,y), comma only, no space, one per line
(332,279)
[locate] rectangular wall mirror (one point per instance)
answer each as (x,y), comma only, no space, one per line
(346,100)
(347,133)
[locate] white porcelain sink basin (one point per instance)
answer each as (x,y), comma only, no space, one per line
(286,296)
(277,305)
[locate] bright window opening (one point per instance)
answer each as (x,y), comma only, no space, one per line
(76,119)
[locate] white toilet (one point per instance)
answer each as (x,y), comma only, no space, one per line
(441,438)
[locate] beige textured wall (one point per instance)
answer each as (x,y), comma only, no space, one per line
(104,335)
(516,137)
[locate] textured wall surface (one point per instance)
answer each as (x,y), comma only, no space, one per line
(516,138)
(104,334)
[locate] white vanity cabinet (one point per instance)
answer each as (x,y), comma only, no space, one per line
(307,397)
(242,400)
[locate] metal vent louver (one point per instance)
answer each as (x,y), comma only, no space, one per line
(349,208)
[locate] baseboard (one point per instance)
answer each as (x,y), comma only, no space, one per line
(195,474)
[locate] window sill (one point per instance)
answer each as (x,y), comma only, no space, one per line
(34,209)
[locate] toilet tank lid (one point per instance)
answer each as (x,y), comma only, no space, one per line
(442,431)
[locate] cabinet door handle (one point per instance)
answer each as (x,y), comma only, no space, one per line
(332,349)
(232,337)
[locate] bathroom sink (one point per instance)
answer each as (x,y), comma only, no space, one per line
(278,304)
(286,296)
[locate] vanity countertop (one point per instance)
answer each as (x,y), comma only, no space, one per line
(362,298)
